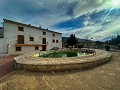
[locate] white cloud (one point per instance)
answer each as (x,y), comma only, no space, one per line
(98,31)
(50,12)
(89,6)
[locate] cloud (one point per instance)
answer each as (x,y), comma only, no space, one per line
(89,6)
(97,30)
(44,12)
(48,9)
(82,17)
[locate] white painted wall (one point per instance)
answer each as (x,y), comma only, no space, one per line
(50,40)
(11,32)
(25,49)
(3,46)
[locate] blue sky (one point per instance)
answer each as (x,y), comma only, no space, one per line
(99,19)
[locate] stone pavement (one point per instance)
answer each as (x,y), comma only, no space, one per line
(106,77)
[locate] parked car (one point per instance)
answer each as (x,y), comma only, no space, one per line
(55,48)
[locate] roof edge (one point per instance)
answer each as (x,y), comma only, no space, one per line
(29,25)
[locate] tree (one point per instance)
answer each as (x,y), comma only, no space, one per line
(72,40)
(107,47)
(115,41)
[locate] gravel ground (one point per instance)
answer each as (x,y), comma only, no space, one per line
(106,77)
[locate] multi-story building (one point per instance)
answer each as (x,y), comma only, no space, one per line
(22,38)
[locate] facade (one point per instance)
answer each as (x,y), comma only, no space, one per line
(21,38)
(1,32)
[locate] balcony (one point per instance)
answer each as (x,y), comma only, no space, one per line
(22,42)
(31,44)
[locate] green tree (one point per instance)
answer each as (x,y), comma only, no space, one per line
(115,41)
(72,40)
(107,47)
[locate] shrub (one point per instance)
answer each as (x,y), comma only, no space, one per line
(81,46)
(71,54)
(60,54)
(118,46)
(107,47)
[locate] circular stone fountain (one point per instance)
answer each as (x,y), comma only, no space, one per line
(33,63)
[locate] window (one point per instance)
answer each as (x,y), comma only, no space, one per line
(31,38)
(36,48)
(18,48)
(53,41)
(44,33)
(54,35)
(56,41)
(20,28)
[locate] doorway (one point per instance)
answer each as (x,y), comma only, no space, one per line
(43,48)
(43,40)
(20,39)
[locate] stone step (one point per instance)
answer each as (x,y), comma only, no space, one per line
(4,55)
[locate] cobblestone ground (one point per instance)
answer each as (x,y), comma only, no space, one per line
(106,77)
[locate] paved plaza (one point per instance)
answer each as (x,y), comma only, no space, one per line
(105,77)
(6,65)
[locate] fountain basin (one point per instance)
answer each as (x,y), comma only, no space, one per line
(30,62)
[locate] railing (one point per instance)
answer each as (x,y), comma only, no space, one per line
(30,42)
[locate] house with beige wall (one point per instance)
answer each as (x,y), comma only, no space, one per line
(22,38)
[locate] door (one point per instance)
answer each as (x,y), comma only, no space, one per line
(43,40)
(20,39)
(43,48)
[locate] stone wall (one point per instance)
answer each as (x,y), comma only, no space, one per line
(31,63)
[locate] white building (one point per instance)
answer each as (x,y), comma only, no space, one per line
(21,38)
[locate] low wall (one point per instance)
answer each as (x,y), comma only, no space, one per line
(31,63)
